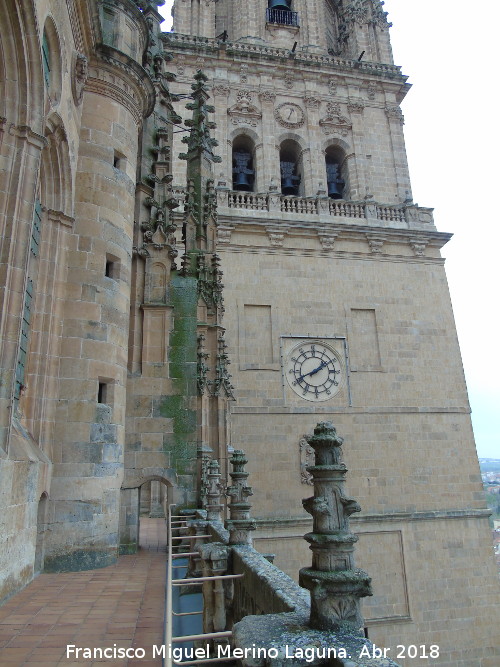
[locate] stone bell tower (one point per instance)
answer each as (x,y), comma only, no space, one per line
(337,307)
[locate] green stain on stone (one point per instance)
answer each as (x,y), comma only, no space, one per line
(80,559)
(180,406)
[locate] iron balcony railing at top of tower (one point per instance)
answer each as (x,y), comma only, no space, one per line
(282,16)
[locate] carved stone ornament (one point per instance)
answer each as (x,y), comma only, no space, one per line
(306,460)
(356,10)
(221,90)
(355,106)
(335,584)
(418,246)
(244,112)
(267,96)
(379,17)
(288,80)
(371,90)
(395,113)
(289,115)
(312,102)
(333,85)
(335,122)
(276,236)
(327,240)
(79,78)
(224,234)
(181,65)
(244,73)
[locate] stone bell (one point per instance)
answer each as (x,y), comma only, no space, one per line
(242,174)
(279,4)
(289,180)
(335,183)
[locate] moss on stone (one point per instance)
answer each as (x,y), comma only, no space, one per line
(181,405)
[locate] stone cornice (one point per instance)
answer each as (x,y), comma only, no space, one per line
(23,132)
(60,218)
(116,75)
(335,226)
(301,522)
(216,48)
(335,409)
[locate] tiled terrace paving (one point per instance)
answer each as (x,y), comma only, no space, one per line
(121,604)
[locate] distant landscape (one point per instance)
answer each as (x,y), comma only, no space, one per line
(489,465)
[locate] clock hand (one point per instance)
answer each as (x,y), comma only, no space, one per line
(316,370)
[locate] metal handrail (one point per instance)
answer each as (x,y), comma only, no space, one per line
(169,613)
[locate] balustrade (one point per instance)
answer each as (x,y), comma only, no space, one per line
(248,200)
(391,213)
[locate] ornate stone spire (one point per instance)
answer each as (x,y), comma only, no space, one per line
(213,490)
(336,586)
(239,524)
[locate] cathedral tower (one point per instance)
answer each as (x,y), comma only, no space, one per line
(337,307)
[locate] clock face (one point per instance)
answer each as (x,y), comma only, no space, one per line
(289,115)
(314,372)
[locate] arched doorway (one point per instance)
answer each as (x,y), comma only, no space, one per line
(154,496)
(144,500)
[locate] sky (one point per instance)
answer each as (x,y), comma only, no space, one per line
(453,146)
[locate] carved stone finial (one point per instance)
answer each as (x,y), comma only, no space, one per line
(215,488)
(240,524)
(336,586)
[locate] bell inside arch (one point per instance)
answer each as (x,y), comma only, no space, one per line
(289,180)
(334,181)
(242,173)
(283,5)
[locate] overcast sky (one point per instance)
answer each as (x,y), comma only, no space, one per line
(453,147)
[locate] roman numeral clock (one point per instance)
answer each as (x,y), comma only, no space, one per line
(314,369)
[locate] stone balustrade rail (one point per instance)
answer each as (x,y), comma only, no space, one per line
(272,202)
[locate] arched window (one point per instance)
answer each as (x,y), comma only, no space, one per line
(51,61)
(243,164)
(291,168)
(335,172)
(46,58)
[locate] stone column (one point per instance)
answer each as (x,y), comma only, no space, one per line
(206,22)
(247,19)
(395,120)
(313,19)
(336,586)
(156,511)
(220,93)
(271,172)
(240,524)
(359,183)
(129,521)
(316,173)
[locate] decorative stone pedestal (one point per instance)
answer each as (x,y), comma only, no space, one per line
(239,524)
(336,586)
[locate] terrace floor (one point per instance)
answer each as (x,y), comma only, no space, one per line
(120,605)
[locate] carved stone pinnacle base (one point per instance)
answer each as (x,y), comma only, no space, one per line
(335,598)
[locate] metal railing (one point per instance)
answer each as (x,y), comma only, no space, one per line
(168,660)
(282,17)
